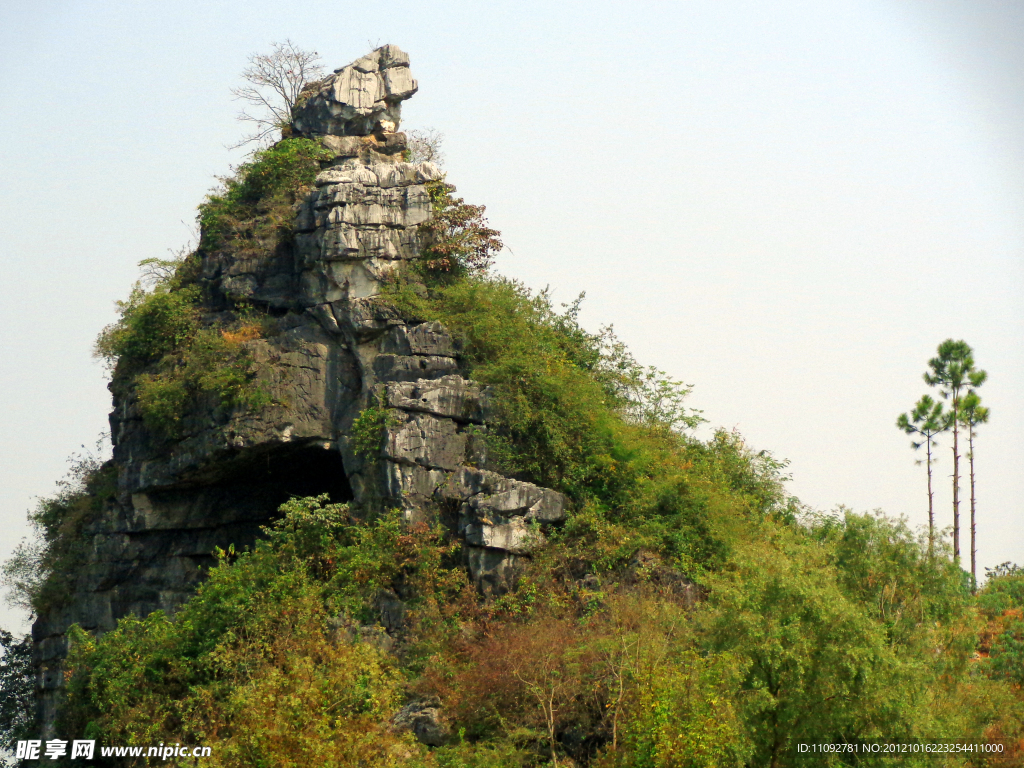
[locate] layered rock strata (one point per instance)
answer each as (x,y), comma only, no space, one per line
(337,349)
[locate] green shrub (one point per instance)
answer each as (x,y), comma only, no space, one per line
(163,399)
(459,242)
(1001,602)
(41,574)
(1003,590)
(818,666)
(682,711)
(370,428)
(215,362)
(1007,654)
(253,209)
(562,402)
(152,325)
(160,344)
(885,567)
(17,685)
(574,411)
(493,753)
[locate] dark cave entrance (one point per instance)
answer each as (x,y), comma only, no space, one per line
(271,478)
(246,492)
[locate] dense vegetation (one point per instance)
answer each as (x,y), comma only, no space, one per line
(689,612)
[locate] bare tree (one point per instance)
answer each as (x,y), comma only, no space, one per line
(425,146)
(275,81)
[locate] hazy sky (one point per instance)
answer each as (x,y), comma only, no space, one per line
(788,205)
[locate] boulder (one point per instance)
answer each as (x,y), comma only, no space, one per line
(425,721)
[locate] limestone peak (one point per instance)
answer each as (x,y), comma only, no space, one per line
(360,99)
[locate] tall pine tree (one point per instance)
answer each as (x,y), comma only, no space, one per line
(927,420)
(973,413)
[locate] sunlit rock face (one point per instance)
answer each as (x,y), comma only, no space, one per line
(334,349)
(363,98)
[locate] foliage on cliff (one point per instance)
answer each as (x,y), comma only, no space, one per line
(40,574)
(17,679)
(252,211)
(164,345)
(275,661)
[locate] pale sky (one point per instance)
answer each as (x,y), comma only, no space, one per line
(788,205)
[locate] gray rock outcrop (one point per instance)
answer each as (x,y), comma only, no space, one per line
(336,348)
(425,721)
(363,98)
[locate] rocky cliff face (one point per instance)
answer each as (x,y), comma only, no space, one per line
(337,350)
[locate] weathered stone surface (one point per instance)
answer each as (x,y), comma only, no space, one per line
(413,367)
(374,148)
(348,242)
(495,518)
(452,397)
(493,571)
(354,179)
(304,374)
(512,534)
(346,630)
(391,610)
(648,567)
(413,488)
(426,441)
(364,318)
(422,339)
(363,98)
(412,480)
(489,492)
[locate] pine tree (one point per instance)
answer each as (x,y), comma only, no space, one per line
(972,413)
(950,372)
(927,420)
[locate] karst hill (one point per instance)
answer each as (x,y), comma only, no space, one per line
(326,350)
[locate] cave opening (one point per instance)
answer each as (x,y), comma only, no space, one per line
(268,479)
(248,489)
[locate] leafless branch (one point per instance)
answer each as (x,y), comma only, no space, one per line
(425,145)
(275,81)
